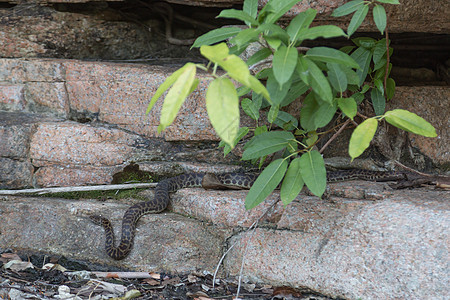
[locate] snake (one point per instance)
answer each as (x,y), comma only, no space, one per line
(226,180)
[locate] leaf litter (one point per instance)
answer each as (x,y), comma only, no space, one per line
(59,278)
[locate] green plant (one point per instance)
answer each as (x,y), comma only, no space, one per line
(333,81)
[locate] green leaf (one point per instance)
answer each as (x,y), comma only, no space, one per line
(251,8)
(365,88)
(364,41)
(352,77)
(298,88)
(259,56)
(246,36)
(215,36)
(286,121)
(316,114)
(318,81)
(362,56)
(347,49)
(389,1)
(347,8)
(222,105)
(359,97)
(302,20)
(313,172)
(348,106)
(239,15)
(337,77)
(250,109)
(381,64)
(331,55)
(260,129)
(357,19)
(411,122)
(361,137)
(379,85)
(292,183)
(276,92)
(279,9)
(390,88)
(266,182)
(266,143)
(378,102)
(243,90)
(284,63)
(257,100)
(324,31)
(176,96)
(165,85)
(273,113)
(302,69)
(379,17)
(274,34)
(259,88)
(227,148)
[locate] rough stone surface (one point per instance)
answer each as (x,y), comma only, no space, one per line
(393,247)
(15,173)
(432,104)
(409,16)
(119,94)
(37,30)
(62,227)
(224,208)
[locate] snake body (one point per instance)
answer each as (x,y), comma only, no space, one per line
(232,180)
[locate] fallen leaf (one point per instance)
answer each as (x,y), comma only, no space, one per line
(18,265)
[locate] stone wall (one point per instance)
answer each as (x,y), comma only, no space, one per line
(67,120)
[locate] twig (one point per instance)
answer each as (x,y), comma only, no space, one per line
(132,275)
(253,226)
(335,135)
(79,189)
(361,115)
(411,170)
(387,54)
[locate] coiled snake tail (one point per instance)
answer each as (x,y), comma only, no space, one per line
(135,212)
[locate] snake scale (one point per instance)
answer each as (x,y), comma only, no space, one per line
(230,180)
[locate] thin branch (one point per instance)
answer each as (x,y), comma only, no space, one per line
(335,135)
(253,226)
(42,191)
(387,55)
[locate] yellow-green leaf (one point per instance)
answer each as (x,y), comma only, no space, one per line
(348,106)
(215,53)
(164,86)
(176,96)
(361,137)
(222,104)
(411,122)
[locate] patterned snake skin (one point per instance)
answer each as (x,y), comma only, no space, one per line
(233,180)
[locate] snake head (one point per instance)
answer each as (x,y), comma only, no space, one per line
(99,220)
